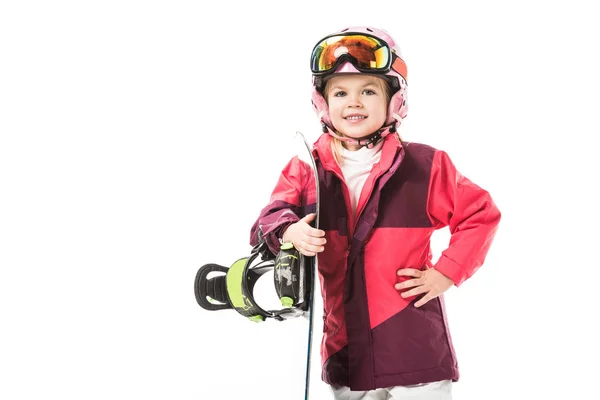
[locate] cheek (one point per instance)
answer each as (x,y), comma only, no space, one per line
(334,108)
(383,113)
(380,109)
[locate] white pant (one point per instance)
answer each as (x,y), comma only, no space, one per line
(426,391)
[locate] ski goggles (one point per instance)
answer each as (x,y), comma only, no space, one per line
(367,53)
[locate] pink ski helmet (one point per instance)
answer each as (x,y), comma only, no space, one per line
(359,50)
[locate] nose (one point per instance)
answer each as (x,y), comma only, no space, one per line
(354,100)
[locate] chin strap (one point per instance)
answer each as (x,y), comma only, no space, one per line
(366,141)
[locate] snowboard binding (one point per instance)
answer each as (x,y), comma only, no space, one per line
(233,287)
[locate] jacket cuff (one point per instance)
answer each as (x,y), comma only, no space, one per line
(451,269)
(272,238)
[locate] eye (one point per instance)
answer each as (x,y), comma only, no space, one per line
(369,92)
(339,93)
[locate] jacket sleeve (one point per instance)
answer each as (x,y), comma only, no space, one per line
(470,214)
(290,201)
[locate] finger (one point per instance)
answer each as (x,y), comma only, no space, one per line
(312,248)
(309,218)
(310,231)
(407,284)
(316,232)
(308,227)
(415,291)
(302,247)
(315,240)
(306,253)
(410,272)
(424,300)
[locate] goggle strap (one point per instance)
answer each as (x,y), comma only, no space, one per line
(399,66)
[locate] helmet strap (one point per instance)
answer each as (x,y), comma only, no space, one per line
(367,141)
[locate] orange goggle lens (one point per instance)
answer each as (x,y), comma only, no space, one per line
(366,53)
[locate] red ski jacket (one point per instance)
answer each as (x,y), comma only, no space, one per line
(372,336)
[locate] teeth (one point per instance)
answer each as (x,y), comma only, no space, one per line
(354,117)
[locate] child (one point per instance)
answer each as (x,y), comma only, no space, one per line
(385,331)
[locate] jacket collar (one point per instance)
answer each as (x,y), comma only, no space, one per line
(322,150)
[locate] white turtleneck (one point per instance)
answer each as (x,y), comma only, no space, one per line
(356,167)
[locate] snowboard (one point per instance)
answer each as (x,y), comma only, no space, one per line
(305,154)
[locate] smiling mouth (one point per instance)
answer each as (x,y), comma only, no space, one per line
(355,117)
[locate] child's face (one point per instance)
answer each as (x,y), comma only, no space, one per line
(357,104)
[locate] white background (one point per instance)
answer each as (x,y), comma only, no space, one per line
(139,141)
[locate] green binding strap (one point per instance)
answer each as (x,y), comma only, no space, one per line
(287,246)
(234,285)
(239,291)
(287,301)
